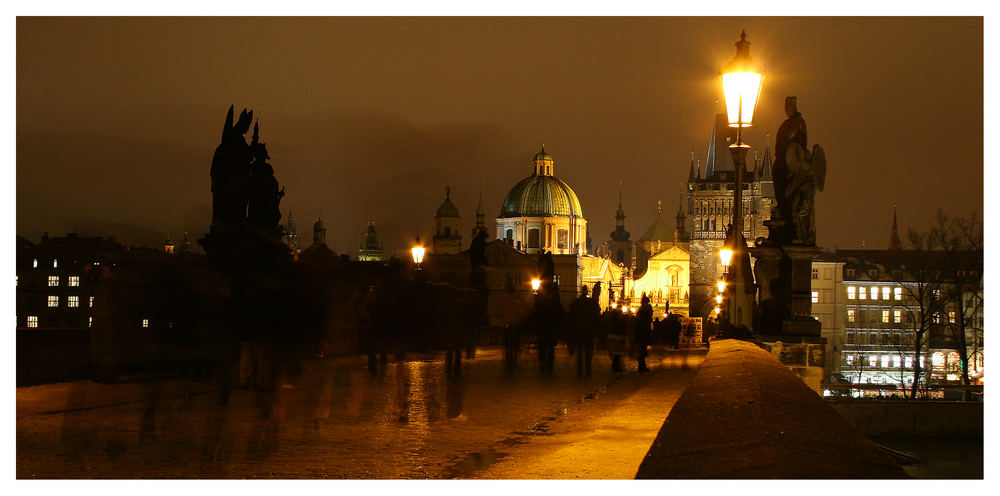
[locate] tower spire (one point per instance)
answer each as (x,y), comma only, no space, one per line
(894,242)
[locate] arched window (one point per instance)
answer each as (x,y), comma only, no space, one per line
(533,238)
(447,232)
(510,234)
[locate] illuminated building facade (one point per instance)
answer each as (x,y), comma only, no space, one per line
(541,212)
(709,200)
(369,247)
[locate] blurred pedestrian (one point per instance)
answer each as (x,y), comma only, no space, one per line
(584,318)
(641,332)
(617,338)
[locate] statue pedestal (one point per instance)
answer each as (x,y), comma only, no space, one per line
(800,278)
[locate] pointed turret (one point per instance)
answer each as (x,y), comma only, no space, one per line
(765,166)
(719,159)
(620,234)
(691,175)
(680,234)
(480,216)
(894,242)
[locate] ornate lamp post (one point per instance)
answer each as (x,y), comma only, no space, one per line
(418,253)
(741,84)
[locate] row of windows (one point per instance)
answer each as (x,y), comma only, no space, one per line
(885,361)
(55,263)
(71,301)
(884,339)
(864,293)
(70,281)
(883,315)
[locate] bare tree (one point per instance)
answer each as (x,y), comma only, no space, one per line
(961,241)
(919,275)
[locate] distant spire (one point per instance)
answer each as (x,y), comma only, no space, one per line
(697,174)
(659,207)
(447,192)
(894,242)
(765,167)
(691,170)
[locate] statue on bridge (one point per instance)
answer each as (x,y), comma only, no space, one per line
(798,174)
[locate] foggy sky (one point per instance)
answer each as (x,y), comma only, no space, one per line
(370,118)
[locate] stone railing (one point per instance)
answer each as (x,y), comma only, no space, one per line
(746,416)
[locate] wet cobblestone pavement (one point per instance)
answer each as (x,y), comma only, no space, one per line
(337,421)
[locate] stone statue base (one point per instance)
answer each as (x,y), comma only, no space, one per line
(799,325)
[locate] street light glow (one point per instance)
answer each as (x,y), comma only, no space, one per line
(718,299)
(741,82)
(721,285)
(726,256)
(418,252)
(535,284)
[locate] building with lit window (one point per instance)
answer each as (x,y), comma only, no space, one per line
(880,314)
(89,303)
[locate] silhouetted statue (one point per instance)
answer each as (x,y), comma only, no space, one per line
(231,172)
(798,174)
(264,196)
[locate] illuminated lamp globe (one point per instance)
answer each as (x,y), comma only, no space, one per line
(721,285)
(726,257)
(418,252)
(718,299)
(741,83)
(535,284)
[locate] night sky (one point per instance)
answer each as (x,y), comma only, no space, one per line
(370,118)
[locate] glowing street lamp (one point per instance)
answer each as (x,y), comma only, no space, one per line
(614,305)
(535,284)
(718,299)
(726,257)
(741,83)
(418,253)
(721,285)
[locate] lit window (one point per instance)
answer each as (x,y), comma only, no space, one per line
(937,294)
(850,315)
(874,293)
(91,303)
(53,301)
(898,292)
(55,264)
(145,322)
(921,361)
(32,321)
(937,318)
(72,301)
(885,293)
(885,361)
(861,293)
(873,360)
(73,280)
(34,263)
(851,292)
(896,361)
(897,316)
(90,322)
(815,296)
(951,317)
(937,360)
(885,316)
(908,362)
(53,281)
(850,359)
(815,273)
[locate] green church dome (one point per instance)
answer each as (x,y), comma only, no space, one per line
(541,196)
